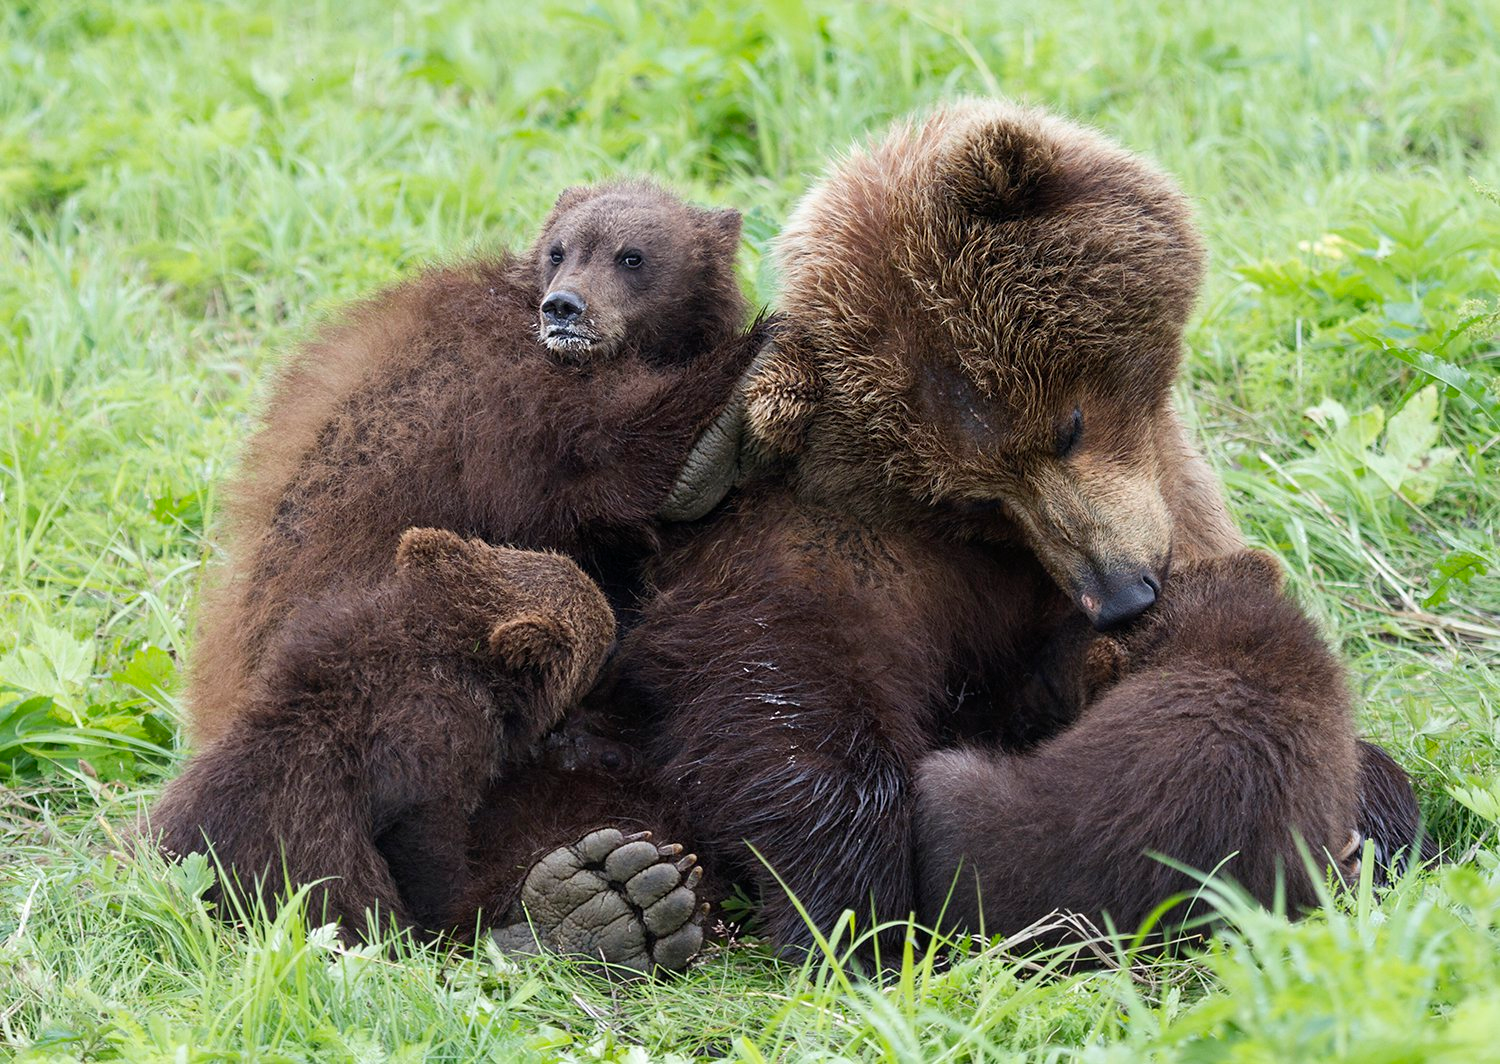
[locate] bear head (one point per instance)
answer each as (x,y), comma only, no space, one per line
(630,266)
(983,319)
(533,616)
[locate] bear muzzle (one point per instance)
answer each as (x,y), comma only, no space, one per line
(1112,598)
(563,328)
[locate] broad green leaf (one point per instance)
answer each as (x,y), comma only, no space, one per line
(55,664)
(1362,430)
(1414,428)
(1480,797)
(1330,413)
(1480,394)
(150,670)
(1461,566)
(1428,474)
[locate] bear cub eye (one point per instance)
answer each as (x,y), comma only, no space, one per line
(632,260)
(1070,433)
(556,255)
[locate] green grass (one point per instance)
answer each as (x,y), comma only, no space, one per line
(186,186)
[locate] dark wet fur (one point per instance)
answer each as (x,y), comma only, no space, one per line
(383,715)
(1388,815)
(434,404)
(1227,737)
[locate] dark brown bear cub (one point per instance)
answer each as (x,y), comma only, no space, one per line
(545,400)
(383,715)
(1224,684)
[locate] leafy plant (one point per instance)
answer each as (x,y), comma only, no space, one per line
(1406,464)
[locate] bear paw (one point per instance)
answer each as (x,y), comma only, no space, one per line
(1347,860)
(615,897)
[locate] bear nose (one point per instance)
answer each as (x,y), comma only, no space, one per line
(563,307)
(1121,597)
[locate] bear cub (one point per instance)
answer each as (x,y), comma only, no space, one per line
(546,400)
(1225,683)
(385,715)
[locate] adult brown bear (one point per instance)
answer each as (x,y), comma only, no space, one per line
(970,446)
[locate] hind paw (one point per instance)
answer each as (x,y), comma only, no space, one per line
(618,898)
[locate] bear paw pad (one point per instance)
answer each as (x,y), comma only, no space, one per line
(614,897)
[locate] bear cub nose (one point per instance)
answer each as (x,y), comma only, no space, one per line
(563,307)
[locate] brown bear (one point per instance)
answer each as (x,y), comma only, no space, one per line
(1222,735)
(384,713)
(545,400)
(965,445)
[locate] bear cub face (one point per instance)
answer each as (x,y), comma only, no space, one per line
(554,625)
(629,263)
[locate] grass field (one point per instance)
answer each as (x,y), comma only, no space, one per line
(185,186)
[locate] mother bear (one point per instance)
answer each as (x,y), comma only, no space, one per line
(964,446)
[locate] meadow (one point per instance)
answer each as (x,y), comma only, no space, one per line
(187,186)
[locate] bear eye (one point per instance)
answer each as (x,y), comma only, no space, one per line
(632,260)
(1070,433)
(556,255)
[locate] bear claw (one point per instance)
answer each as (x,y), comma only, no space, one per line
(619,898)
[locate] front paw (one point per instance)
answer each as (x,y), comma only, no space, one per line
(712,466)
(781,393)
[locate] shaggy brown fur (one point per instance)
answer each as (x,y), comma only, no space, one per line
(951,298)
(1227,738)
(968,406)
(383,715)
(991,305)
(466,399)
(1389,816)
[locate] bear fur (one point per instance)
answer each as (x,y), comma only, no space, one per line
(967,417)
(384,714)
(964,455)
(545,400)
(1223,735)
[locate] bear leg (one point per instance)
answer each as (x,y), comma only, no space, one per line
(425,851)
(245,800)
(1389,815)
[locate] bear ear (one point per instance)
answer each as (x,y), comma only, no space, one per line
(531,641)
(427,546)
(571,197)
(1261,568)
(568,199)
(1002,170)
(725,226)
(1105,663)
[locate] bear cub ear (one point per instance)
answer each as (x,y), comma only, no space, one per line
(724,228)
(427,546)
(1260,568)
(532,641)
(571,197)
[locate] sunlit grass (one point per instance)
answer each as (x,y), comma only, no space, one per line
(186,186)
